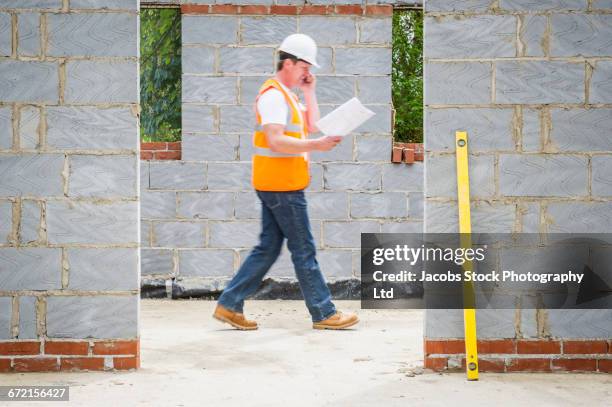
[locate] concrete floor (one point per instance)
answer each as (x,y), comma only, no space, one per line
(189,359)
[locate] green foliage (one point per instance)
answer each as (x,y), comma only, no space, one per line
(160,74)
(407,75)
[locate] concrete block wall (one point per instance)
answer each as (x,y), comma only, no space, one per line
(530,82)
(200,215)
(69,186)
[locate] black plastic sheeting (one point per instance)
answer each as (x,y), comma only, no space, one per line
(269,290)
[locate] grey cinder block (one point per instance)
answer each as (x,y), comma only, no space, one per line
(581,129)
(29,226)
(205,89)
(74,128)
(349,176)
(27,317)
(31,174)
(29,33)
(92,34)
(379,205)
(30,268)
(542,175)
(179,234)
(177,175)
(103,316)
(602,175)
(539,82)
(102,176)
(401,177)
(457,83)
(29,81)
(101,82)
(209,29)
(157,204)
(489,129)
(240,234)
(205,205)
(601,86)
(206,263)
(92,223)
(484,36)
(441,178)
(6,306)
(329,30)
(266,30)
(103,269)
(328,205)
(156,261)
(219,179)
(363,61)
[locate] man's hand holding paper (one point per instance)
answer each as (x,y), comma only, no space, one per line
(346,118)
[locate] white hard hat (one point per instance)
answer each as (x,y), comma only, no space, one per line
(302,47)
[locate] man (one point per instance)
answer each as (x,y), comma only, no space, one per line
(280,174)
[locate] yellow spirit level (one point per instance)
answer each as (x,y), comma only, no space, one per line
(465,230)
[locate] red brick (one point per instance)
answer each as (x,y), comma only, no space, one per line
(223,9)
(396,155)
(258,10)
(35,364)
(5,365)
(573,347)
(605,365)
(436,364)
(174,145)
(82,364)
(66,348)
(284,10)
(194,8)
(167,155)
(126,363)
(314,10)
(20,348)
(386,10)
(449,346)
(488,365)
(581,365)
(529,365)
(146,155)
(115,348)
(491,365)
(496,346)
(408,155)
(352,9)
(538,347)
(154,145)
(418,152)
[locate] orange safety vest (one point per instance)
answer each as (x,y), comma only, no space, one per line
(273,171)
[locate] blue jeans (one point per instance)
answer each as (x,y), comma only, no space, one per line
(284,215)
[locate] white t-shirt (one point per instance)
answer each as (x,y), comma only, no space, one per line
(273,108)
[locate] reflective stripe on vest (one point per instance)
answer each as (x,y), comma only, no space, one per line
(266,152)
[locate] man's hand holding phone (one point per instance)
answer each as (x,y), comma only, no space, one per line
(308,83)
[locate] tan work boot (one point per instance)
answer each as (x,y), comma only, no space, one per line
(235,319)
(337,321)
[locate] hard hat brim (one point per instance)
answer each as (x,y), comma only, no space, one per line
(313,63)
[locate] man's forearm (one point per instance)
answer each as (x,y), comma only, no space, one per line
(312,111)
(287,144)
(281,143)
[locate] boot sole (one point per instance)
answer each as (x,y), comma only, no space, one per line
(235,325)
(348,324)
